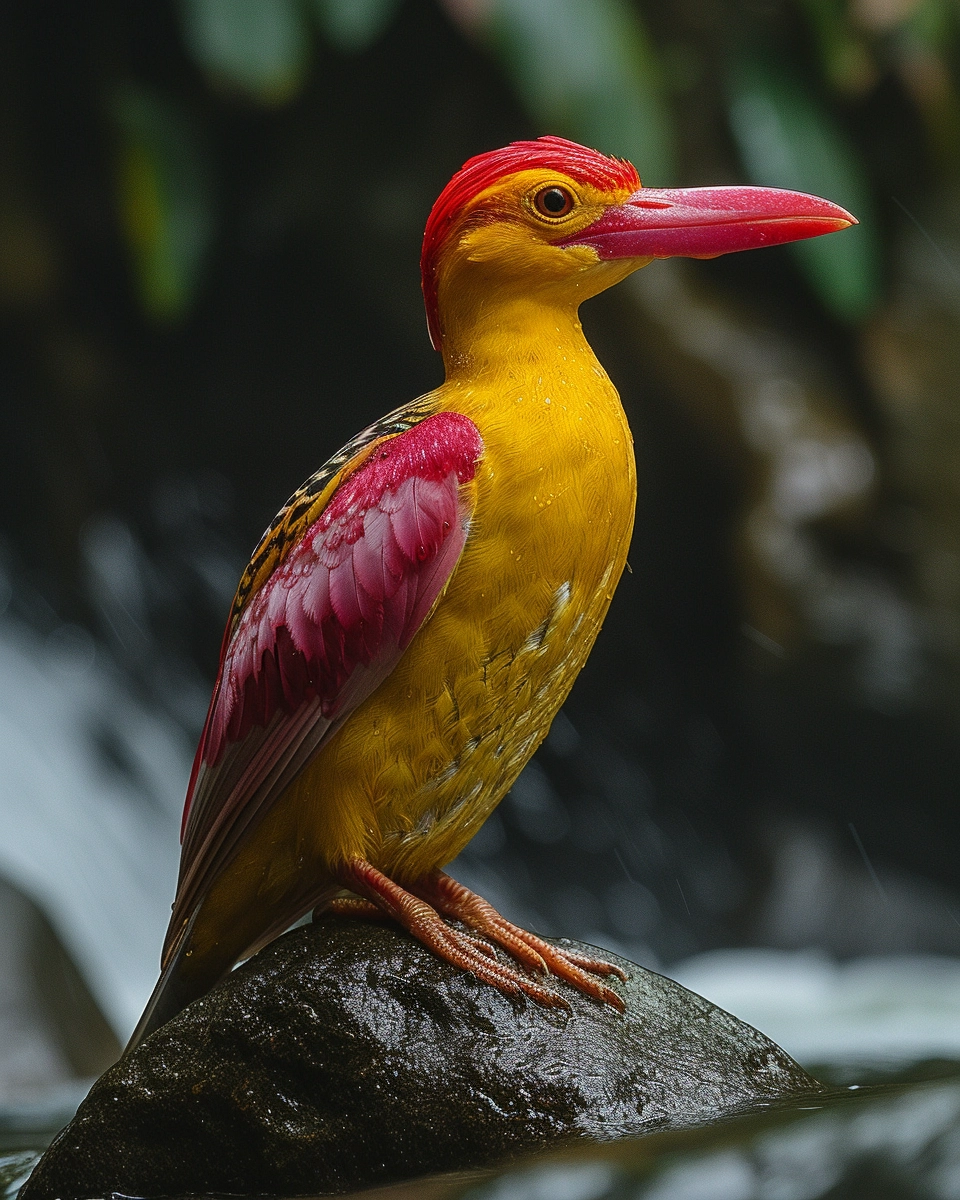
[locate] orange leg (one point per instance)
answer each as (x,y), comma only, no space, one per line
(367,910)
(419,912)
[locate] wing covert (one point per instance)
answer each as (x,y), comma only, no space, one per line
(325,626)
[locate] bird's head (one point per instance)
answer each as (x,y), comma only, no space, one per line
(552,221)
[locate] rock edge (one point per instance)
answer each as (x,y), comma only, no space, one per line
(345,1056)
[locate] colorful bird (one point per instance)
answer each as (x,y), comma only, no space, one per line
(413,619)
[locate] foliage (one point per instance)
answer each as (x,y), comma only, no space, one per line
(588,70)
(593,70)
(164,194)
(257,46)
(787,138)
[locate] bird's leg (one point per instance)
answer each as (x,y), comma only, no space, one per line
(419,912)
(423,921)
(367,910)
(579,970)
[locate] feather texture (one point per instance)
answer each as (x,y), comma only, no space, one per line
(323,630)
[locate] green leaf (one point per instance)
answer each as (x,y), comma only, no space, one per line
(587,69)
(261,47)
(352,25)
(165,199)
(788,139)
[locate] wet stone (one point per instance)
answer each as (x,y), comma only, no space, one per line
(346,1055)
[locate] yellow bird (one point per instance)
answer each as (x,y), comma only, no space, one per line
(415,616)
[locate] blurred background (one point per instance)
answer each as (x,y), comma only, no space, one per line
(210,217)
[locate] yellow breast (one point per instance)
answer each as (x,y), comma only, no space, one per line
(421,764)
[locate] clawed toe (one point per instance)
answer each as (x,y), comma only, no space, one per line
(532,952)
(598,966)
(421,909)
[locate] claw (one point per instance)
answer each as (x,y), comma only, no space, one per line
(421,909)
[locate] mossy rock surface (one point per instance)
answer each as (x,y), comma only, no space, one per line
(346,1055)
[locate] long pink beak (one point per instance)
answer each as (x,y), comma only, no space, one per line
(705,222)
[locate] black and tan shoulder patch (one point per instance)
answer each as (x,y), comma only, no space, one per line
(308,501)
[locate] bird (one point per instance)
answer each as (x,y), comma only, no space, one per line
(414,617)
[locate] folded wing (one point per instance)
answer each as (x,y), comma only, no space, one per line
(322,629)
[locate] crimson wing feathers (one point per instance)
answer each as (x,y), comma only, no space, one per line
(322,629)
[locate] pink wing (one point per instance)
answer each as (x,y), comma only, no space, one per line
(322,632)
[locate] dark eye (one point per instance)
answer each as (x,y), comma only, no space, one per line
(553,202)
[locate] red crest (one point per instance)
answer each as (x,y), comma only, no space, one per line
(478,173)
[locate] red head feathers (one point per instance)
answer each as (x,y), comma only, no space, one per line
(478,173)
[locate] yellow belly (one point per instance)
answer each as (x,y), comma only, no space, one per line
(419,766)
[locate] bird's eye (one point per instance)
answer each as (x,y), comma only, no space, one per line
(553,202)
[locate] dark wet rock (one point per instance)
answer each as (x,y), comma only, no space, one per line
(346,1055)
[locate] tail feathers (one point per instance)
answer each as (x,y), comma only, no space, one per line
(185,977)
(175,989)
(310,900)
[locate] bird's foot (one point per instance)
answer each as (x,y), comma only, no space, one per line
(367,910)
(579,970)
(419,911)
